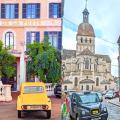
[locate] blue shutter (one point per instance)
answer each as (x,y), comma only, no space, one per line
(59,40)
(38,10)
(50,10)
(59,10)
(2,10)
(24,11)
(37,36)
(45,33)
(16,11)
(28,38)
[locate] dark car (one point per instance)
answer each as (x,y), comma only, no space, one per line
(87,106)
(58,90)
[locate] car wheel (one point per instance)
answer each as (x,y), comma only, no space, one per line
(48,114)
(77,117)
(19,114)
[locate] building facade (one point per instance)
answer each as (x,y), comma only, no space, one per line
(25,21)
(82,68)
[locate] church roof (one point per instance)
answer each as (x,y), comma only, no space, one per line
(105,57)
(86,52)
(67,82)
(86,81)
(105,82)
(86,29)
(68,53)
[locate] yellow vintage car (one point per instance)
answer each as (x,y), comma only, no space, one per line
(33,97)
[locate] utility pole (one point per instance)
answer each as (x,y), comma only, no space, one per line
(119,64)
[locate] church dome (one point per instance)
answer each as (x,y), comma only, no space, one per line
(86,29)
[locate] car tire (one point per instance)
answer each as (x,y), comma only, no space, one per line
(48,114)
(19,114)
(77,117)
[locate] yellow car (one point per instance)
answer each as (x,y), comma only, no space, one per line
(33,97)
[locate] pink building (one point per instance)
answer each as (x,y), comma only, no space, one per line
(23,21)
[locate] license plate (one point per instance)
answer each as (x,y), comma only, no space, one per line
(34,107)
(96,118)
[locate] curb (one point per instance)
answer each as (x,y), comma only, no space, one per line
(113,103)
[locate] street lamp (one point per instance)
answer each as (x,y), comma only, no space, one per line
(119,65)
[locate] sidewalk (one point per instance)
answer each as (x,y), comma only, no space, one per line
(114,101)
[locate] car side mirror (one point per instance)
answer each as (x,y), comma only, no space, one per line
(74,102)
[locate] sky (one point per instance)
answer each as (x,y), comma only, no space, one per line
(104,17)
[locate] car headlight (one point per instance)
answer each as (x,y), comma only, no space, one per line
(105,109)
(83,112)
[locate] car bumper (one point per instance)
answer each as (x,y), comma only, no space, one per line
(100,117)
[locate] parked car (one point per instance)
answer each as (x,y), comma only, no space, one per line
(58,90)
(110,94)
(87,106)
(33,97)
(117,94)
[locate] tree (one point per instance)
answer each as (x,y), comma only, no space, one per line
(44,61)
(7,61)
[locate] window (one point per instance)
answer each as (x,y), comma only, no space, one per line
(9,11)
(85,40)
(105,87)
(76,81)
(55,10)
(31,10)
(65,87)
(97,81)
(87,63)
(87,87)
(90,40)
(81,40)
(82,87)
(32,36)
(9,40)
(55,38)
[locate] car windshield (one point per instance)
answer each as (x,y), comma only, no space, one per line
(33,89)
(89,98)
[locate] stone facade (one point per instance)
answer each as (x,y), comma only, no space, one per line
(83,69)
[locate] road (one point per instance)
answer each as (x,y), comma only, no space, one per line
(8,112)
(113,111)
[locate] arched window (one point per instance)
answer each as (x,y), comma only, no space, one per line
(97,81)
(87,87)
(81,40)
(76,81)
(90,40)
(105,87)
(87,63)
(9,40)
(85,40)
(65,87)
(82,87)
(92,87)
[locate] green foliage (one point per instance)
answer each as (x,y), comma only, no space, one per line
(6,63)
(44,61)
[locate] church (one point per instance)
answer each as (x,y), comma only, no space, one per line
(83,69)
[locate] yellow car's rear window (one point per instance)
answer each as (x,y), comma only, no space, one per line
(33,89)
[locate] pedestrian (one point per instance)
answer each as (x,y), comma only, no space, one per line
(64,108)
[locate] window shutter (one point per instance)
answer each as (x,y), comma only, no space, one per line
(38,10)
(28,38)
(37,36)
(59,40)
(24,11)
(50,10)
(59,10)
(2,10)
(16,10)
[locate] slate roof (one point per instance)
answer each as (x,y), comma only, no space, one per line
(67,82)
(105,57)
(68,53)
(86,52)
(105,82)
(86,81)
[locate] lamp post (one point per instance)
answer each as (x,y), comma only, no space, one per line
(119,64)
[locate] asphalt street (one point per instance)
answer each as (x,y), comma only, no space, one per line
(113,111)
